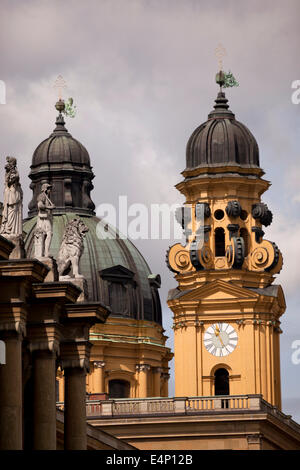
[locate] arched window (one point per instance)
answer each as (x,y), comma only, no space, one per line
(245,236)
(219,242)
(221,382)
(119,389)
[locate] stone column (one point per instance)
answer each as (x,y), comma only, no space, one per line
(44,400)
(11,393)
(17,277)
(157,381)
(75,360)
(45,334)
(75,409)
(165,388)
(75,363)
(44,346)
(143,379)
(98,379)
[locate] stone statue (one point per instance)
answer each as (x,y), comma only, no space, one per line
(12,215)
(44,227)
(71,249)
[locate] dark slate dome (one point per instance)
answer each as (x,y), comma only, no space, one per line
(60,144)
(222,141)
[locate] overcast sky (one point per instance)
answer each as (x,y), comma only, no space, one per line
(142,76)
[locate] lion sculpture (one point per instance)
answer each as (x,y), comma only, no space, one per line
(71,249)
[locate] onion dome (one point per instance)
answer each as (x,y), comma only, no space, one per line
(222,141)
(63,162)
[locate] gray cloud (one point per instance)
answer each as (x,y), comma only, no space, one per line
(142,76)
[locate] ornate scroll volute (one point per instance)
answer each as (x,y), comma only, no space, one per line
(261,212)
(196,255)
(200,253)
(266,256)
(235,253)
(178,259)
(233,209)
(183,216)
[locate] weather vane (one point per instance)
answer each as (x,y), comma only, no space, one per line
(224,79)
(60,83)
(66,107)
(220,52)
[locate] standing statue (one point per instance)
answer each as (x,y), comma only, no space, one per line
(44,227)
(12,215)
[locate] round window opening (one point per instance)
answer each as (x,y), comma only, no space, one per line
(219,214)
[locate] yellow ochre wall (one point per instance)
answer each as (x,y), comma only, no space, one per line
(130,350)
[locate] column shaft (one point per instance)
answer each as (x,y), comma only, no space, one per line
(156,383)
(44,404)
(75,409)
(98,379)
(11,395)
(143,382)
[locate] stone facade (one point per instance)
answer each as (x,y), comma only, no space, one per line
(42,325)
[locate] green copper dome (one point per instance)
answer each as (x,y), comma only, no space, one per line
(115,271)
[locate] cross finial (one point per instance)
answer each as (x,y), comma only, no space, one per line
(220,52)
(60,84)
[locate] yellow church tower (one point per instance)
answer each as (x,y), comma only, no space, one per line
(226,308)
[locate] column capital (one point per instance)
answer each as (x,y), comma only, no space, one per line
(165,376)
(23,269)
(99,364)
(56,292)
(44,337)
(75,354)
(46,310)
(142,367)
(13,318)
(89,313)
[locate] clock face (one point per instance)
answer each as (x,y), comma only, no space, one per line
(220,339)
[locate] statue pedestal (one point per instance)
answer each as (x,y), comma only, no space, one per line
(80,282)
(52,275)
(19,250)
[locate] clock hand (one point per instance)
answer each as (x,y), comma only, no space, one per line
(217,333)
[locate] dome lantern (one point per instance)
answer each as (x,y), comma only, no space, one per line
(63,162)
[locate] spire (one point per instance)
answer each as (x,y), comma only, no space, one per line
(225,80)
(221,108)
(60,122)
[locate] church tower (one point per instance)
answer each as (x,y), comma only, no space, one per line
(226,308)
